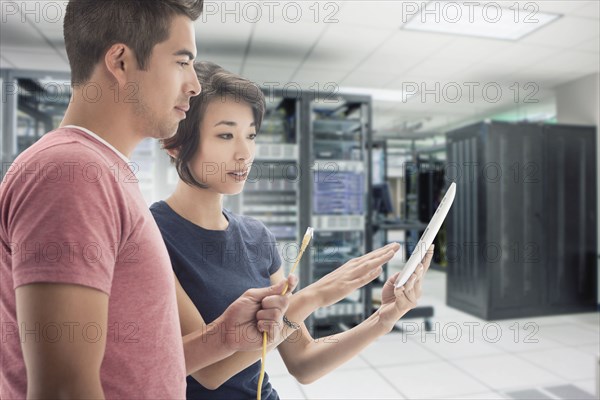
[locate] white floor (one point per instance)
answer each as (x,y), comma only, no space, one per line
(464,357)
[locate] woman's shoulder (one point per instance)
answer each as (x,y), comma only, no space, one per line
(250,225)
(159,209)
(164,216)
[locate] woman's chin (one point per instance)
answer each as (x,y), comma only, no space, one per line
(232,191)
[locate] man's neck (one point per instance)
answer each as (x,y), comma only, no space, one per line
(111,126)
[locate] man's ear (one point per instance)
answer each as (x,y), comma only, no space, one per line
(120,61)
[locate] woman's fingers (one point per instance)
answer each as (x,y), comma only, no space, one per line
(411,296)
(417,289)
(370,270)
(375,262)
(411,281)
(376,253)
(412,288)
(428,257)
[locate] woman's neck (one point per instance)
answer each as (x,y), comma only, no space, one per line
(202,207)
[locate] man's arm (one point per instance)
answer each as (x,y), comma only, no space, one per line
(199,341)
(61,357)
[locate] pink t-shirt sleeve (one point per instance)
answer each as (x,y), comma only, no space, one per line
(66,230)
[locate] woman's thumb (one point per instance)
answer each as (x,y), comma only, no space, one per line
(392,279)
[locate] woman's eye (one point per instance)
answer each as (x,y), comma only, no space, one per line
(226,136)
(252,136)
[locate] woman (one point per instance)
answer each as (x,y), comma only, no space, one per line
(217,255)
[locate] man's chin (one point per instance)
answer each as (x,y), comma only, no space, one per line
(165,133)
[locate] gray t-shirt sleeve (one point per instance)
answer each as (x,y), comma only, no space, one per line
(275,257)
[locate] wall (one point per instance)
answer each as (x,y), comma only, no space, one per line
(577,103)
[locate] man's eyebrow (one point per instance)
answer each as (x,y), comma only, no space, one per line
(184,52)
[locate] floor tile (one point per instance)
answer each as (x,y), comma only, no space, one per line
(522,359)
(589,385)
(505,372)
(396,348)
(570,392)
(287,387)
(529,394)
(590,319)
(453,340)
(591,349)
(351,384)
(430,380)
(275,365)
(563,319)
(524,335)
(570,335)
(355,363)
(567,363)
(478,396)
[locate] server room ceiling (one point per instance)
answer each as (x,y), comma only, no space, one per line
(357,44)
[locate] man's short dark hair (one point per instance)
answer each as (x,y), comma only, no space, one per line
(91,26)
(217,84)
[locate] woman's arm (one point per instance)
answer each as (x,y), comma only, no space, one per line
(308,360)
(216,374)
(328,290)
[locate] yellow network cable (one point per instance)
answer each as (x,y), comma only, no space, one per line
(307,236)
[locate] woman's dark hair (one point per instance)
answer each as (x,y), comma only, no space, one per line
(217,84)
(90,27)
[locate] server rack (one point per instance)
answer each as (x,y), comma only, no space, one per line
(570,194)
(431,188)
(271,194)
(33,103)
(311,152)
(521,234)
(335,198)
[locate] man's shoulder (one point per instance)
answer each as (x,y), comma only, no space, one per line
(65,156)
(63,146)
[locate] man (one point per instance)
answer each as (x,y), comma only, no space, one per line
(87,294)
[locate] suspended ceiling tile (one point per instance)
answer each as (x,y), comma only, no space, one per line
(565,32)
(363,78)
(390,14)
(344,46)
(16,31)
(590,9)
(263,74)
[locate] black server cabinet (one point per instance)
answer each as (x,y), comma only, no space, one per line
(570,197)
(522,231)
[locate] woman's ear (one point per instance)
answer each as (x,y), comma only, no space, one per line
(174,153)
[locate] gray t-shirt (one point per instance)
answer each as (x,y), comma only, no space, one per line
(215,268)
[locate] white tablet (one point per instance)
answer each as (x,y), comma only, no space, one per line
(428,235)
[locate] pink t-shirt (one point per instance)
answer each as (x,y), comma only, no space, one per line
(72,212)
